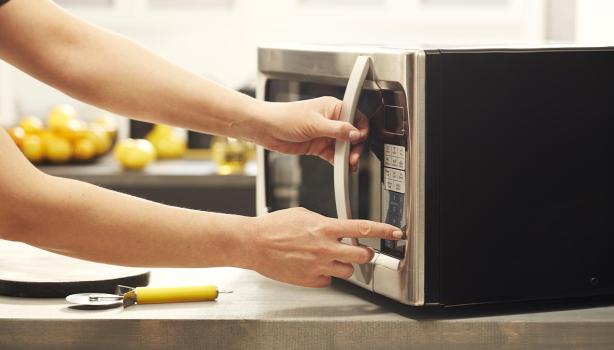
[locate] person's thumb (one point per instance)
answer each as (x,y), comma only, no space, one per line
(336,129)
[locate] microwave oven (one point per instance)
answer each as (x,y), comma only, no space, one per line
(496,162)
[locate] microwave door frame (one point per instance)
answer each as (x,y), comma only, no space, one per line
(397,68)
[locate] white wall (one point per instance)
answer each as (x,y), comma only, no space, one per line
(594,23)
(218,38)
(561,20)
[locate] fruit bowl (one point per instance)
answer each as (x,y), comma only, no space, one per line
(64,138)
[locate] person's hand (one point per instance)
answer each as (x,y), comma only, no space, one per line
(301,247)
(311,127)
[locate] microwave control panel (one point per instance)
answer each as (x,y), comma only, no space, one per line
(394,175)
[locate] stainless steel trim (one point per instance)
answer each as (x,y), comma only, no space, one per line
(327,64)
(407,286)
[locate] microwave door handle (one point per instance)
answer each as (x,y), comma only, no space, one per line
(342,153)
(342,148)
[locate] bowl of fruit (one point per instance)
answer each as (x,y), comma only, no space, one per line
(64,138)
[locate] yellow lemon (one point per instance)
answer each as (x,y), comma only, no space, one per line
(167,142)
(73,129)
(122,146)
(134,154)
(58,150)
(160,130)
(169,147)
(84,149)
(59,116)
(134,159)
(33,148)
(17,134)
(146,146)
(108,123)
(179,146)
(31,125)
(45,135)
(99,137)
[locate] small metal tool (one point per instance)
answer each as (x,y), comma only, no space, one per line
(95,299)
(127,296)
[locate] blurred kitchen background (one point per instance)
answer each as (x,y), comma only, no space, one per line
(218,39)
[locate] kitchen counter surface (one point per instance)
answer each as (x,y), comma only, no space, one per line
(263,314)
(165,173)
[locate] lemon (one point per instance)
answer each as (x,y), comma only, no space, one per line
(146,146)
(73,129)
(166,141)
(58,150)
(134,154)
(17,134)
(84,149)
(160,130)
(99,137)
(169,147)
(33,148)
(45,135)
(108,123)
(122,146)
(59,116)
(31,125)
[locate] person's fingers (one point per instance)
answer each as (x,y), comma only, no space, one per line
(336,129)
(353,254)
(364,229)
(332,109)
(340,269)
(361,123)
(355,152)
(328,154)
(320,282)
(323,148)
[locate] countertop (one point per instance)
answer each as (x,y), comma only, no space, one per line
(264,314)
(165,173)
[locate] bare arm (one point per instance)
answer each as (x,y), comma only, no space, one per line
(89,222)
(85,221)
(107,70)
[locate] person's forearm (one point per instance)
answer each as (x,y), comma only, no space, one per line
(112,72)
(85,221)
(88,222)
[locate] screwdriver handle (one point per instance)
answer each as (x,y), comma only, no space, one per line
(160,295)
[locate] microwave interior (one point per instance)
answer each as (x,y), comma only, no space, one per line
(307,181)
